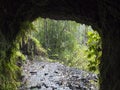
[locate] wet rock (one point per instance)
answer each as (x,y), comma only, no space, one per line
(55,76)
(33,73)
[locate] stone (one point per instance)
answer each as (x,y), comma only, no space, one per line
(55,76)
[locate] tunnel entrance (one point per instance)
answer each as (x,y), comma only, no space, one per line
(72,44)
(103,15)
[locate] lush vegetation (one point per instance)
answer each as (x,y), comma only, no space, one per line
(94,50)
(70,43)
(9,70)
(11,58)
(67,42)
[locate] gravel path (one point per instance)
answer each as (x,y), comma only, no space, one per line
(55,76)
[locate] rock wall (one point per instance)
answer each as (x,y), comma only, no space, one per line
(103,15)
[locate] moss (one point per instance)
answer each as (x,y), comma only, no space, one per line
(10,58)
(33,48)
(38,46)
(8,69)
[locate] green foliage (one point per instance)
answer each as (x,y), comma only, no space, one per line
(56,37)
(38,46)
(94,50)
(67,42)
(62,41)
(8,69)
(9,56)
(32,47)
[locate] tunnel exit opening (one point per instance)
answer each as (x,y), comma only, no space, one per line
(74,40)
(67,42)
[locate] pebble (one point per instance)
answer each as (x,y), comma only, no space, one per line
(55,76)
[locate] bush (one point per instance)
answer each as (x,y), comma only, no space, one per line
(32,47)
(94,50)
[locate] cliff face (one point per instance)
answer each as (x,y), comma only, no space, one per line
(103,15)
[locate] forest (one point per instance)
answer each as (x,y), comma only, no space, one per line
(70,43)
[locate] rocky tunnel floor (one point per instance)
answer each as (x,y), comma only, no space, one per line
(55,76)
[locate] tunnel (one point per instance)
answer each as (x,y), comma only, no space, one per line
(102,15)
